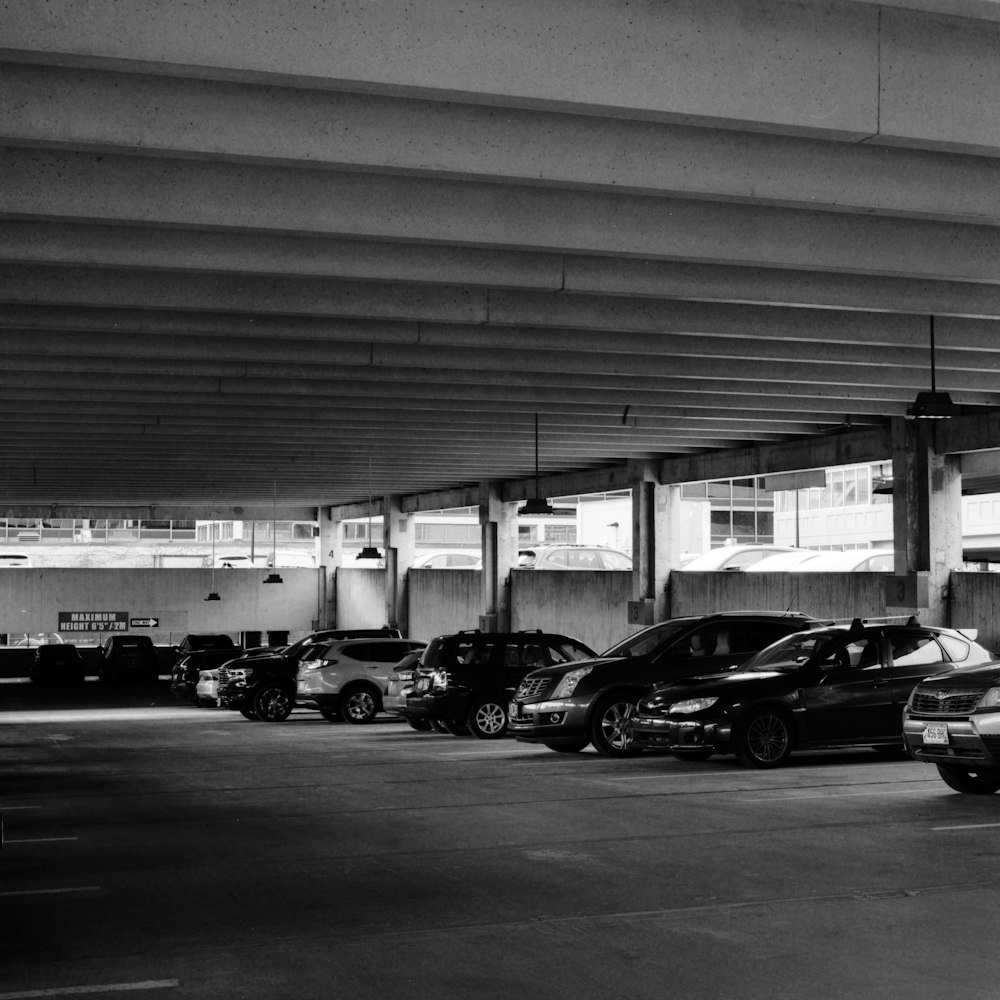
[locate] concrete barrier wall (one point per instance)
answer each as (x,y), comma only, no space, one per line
(591,607)
(31,599)
(443,601)
(360,598)
(824,595)
(975,603)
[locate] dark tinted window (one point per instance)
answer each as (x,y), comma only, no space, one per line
(760,635)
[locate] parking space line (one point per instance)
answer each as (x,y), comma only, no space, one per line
(835,795)
(45,892)
(38,840)
(968,826)
(65,991)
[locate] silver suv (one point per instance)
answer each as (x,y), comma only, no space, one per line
(571,557)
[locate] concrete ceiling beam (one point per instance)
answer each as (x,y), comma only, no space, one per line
(49,185)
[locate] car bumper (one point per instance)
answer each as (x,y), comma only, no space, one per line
(971,742)
(674,734)
(233,696)
(444,707)
(547,721)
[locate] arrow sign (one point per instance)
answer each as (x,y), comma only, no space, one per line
(143,622)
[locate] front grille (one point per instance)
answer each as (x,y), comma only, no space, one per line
(223,675)
(532,687)
(931,700)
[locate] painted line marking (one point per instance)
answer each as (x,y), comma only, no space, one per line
(969,826)
(65,991)
(39,840)
(44,892)
(837,795)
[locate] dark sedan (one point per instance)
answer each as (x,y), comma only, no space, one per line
(829,687)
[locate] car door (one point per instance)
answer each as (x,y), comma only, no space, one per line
(914,655)
(847,691)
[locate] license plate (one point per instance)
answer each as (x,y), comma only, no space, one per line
(514,710)
(936,734)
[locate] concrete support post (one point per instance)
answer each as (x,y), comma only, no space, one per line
(399,542)
(656,547)
(927,519)
(331,557)
(498,529)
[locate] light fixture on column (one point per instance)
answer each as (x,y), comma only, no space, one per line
(536,505)
(932,405)
(274,576)
(213,596)
(369,551)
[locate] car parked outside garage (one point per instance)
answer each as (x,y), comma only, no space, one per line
(837,686)
(569,706)
(569,556)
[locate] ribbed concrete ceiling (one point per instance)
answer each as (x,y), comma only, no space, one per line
(250,261)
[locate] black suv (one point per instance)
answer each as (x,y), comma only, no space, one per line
(567,707)
(464,681)
(129,658)
(954,721)
(837,686)
(196,653)
(262,687)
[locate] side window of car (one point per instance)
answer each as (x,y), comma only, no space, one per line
(913,649)
(479,654)
(356,651)
(760,635)
(566,652)
(615,560)
(583,559)
(560,557)
(533,657)
(852,656)
(702,641)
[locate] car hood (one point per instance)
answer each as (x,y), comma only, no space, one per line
(558,669)
(985,673)
(711,685)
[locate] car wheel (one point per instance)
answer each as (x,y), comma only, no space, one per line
(358,706)
(420,725)
(693,754)
(454,727)
(611,726)
(765,739)
(273,703)
(248,713)
(984,782)
(487,719)
(567,747)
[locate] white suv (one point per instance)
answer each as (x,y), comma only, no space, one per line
(345,678)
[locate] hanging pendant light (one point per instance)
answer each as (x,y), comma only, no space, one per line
(274,576)
(213,596)
(536,505)
(932,405)
(369,551)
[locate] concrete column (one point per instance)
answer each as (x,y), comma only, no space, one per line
(399,542)
(498,528)
(927,520)
(331,557)
(656,548)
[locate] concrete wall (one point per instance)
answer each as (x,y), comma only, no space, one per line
(31,599)
(360,598)
(443,601)
(975,603)
(591,607)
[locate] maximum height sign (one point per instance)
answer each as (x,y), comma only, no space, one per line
(93,621)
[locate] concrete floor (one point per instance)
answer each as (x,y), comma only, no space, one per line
(158,850)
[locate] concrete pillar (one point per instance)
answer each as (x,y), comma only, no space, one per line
(331,557)
(656,548)
(927,522)
(399,543)
(498,529)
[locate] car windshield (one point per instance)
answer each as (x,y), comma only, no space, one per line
(651,640)
(789,654)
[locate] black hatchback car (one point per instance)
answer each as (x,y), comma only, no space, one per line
(568,706)
(837,686)
(129,658)
(464,681)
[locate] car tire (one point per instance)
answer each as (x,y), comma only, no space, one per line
(764,739)
(984,782)
(249,714)
(567,747)
(420,725)
(693,755)
(487,719)
(273,702)
(330,714)
(611,726)
(358,706)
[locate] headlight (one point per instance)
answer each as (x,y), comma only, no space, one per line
(991,699)
(691,706)
(569,682)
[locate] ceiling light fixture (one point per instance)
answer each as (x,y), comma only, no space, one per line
(369,551)
(932,405)
(536,505)
(274,576)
